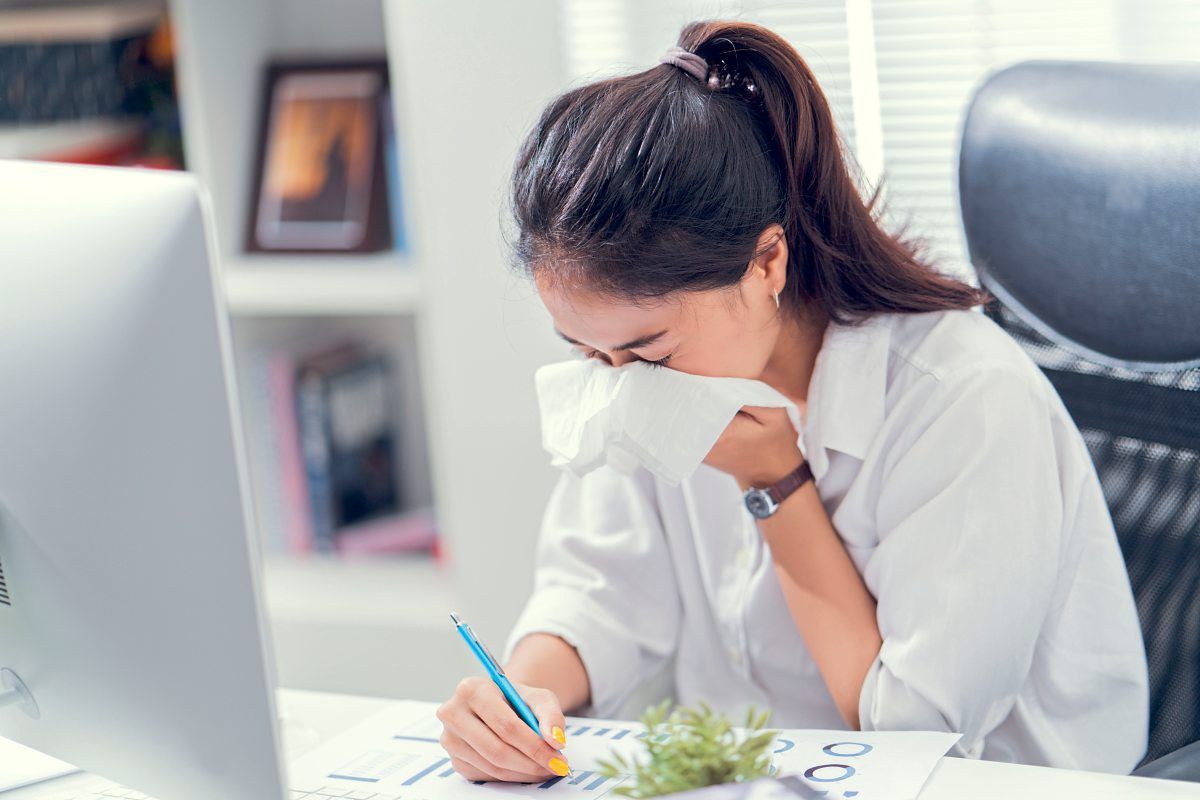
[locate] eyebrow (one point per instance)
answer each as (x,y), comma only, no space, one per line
(641,341)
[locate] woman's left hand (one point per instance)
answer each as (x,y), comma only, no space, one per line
(757,448)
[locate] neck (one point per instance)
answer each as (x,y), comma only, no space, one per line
(790,367)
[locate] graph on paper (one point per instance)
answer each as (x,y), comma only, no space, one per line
(583,780)
(592,741)
(397,755)
(413,766)
(407,771)
(374,766)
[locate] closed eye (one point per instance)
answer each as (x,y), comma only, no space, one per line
(660,362)
(589,354)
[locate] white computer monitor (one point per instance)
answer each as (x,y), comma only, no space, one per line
(129,606)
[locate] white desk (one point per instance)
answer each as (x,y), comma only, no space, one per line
(311,717)
(954,778)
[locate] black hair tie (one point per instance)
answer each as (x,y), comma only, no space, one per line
(717,77)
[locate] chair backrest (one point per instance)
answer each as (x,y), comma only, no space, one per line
(1080,192)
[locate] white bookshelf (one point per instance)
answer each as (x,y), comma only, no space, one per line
(378,283)
(389,612)
(465,335)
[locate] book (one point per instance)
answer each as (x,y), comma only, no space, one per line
(295,514)
(89,82)
(343,412)
(404,532)
(73,61)
(77,21)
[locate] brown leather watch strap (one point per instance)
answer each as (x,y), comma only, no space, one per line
(789,483)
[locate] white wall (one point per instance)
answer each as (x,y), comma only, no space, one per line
(469,78)
(472,78)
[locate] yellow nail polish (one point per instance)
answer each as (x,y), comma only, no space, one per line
(558,735)
(559,767)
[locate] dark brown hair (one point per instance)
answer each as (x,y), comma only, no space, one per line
(648,184)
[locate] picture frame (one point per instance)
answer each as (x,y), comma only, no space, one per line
(320,183)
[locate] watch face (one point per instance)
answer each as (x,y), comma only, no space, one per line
(759,503)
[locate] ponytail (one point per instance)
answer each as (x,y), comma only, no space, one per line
(659,182)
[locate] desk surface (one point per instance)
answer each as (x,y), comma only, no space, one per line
(310,717)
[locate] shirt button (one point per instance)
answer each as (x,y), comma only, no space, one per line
(743,557)
(736,655)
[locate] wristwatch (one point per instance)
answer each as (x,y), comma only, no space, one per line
(764,502)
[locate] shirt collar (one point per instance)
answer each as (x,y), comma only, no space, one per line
(847,392)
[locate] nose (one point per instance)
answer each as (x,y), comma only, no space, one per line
(620,359)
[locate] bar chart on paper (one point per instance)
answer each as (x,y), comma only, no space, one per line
(397,755)
(583,751)
(406,775)
(406,762)
(413,769)
(582,780)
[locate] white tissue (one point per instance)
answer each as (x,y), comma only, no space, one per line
(662,419)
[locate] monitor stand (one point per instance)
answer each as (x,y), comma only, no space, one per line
(14,692)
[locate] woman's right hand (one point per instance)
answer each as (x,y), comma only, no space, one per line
(487,741)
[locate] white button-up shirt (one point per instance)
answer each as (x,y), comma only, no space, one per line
(966,498)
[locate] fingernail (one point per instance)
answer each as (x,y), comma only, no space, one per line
(559,767)
(558,735)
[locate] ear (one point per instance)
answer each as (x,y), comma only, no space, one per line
(770,265)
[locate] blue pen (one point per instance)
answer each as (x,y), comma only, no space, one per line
(496,673)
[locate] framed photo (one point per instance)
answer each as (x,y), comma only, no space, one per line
(320,182)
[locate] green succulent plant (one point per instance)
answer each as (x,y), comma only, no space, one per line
(691,748)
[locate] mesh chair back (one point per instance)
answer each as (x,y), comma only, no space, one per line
(1080,192)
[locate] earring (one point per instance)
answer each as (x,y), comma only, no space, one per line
(776,296)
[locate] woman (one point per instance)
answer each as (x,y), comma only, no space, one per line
(951,567)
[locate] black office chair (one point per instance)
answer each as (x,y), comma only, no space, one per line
(1080,192)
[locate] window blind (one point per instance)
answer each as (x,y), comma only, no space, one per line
(610,37)
(820,33)
(595,38)
(909,67)
(932,54)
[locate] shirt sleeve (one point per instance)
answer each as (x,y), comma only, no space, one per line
(604,582)
(969,515)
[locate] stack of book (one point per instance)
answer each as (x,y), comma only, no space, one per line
(88,83)
(332,483)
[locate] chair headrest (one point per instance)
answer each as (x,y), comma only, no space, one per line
(1079,184)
